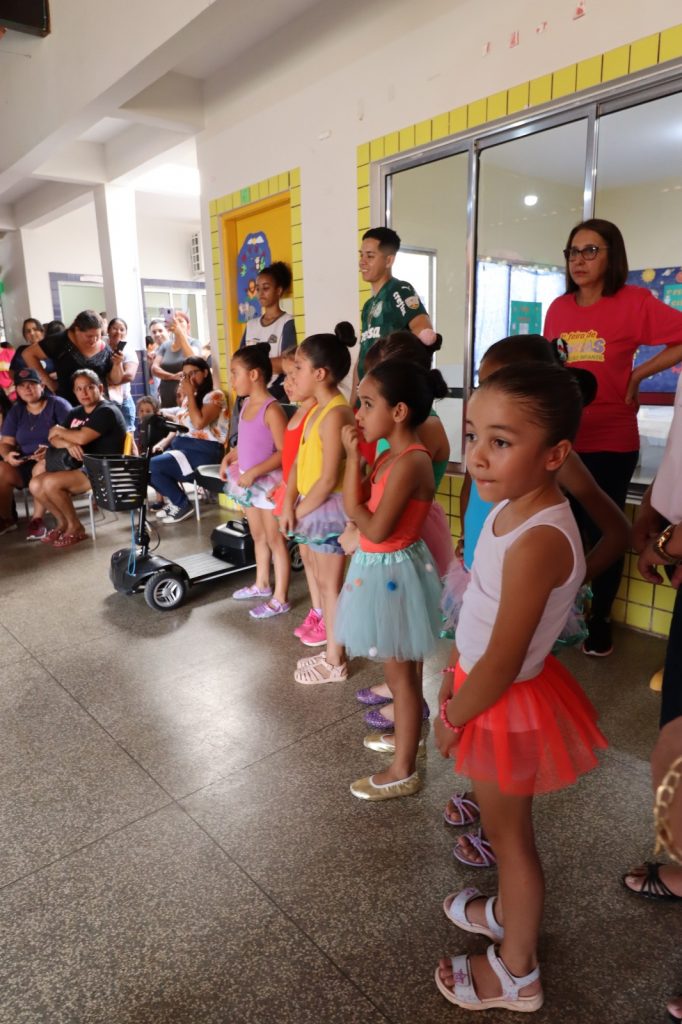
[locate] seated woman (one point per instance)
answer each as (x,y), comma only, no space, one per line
(204,413)
(79,347)
(23,441)
(33,333)
(95,427)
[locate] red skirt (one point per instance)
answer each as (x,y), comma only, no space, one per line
(540,736)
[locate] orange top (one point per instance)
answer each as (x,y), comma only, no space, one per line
(408,529)
(292,440)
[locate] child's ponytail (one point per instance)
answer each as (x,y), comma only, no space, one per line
(256,357)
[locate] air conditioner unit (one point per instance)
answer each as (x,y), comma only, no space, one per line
(197,255)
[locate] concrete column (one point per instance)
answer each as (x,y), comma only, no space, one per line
(16,297)
(117,231)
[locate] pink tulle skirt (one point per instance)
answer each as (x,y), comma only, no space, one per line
(437,537)
(540,736)
(255,496)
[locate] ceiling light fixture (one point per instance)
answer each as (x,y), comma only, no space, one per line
(530,200)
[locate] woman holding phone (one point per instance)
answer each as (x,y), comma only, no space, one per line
(120,393)
(23,443)
(173,349)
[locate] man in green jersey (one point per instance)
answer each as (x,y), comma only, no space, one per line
(394,305)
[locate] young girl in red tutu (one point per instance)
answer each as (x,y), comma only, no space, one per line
(517,722)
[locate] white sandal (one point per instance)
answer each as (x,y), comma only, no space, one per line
(464,994)
(455,906)
(321,672)
(310,659)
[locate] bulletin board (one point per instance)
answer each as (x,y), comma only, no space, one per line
(666,284)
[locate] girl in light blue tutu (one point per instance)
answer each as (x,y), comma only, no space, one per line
(389,604)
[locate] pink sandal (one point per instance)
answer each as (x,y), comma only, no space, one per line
(51,536)
(67,540)
(321,672)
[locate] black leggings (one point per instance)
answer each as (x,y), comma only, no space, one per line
(671,697)
(613,472)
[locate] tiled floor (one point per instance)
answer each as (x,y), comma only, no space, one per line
(178,842)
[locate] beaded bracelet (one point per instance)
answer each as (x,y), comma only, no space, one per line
(457,729)
(665,794)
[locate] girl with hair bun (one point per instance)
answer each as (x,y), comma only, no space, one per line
(252,471)
(313,509)
(274,327)
(389,606)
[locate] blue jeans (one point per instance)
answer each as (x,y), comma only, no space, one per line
(166,470)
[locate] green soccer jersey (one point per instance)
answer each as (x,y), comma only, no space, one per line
(393,307)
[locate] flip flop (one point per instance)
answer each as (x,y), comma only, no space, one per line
(468,809)
(67,540)
(653,886)
(481,846)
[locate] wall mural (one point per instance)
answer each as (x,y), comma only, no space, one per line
(666,284)
(253,255)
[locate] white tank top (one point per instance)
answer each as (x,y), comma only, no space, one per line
(482,597)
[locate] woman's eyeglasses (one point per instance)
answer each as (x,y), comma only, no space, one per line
(188,376)
(588,252)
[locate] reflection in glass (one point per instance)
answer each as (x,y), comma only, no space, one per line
(428,210)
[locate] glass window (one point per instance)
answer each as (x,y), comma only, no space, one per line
(530,196)
(428,210)
(639,188)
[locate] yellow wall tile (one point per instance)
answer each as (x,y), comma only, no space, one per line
(497,105)
(640,592)
(215,221)
(616,63)
(363,153)
(299,307)
(517,98)
(363,197)
(477,112)
(363,175)
(457,483)
(458,119)
(237,199)
(391,143)
(564,82)
(444,502)
(664,598)
(295,196)
(295,177)
(297,271)
(300,326)
(638,616)
(660,622)
(273,185)
(283,181)
(622,591)
(589,72)
(440,126)
(296,215)
(296,233)
(212,207)
(671,44)
(644,53)
(407,138)
(222,204)
(364,219)
(296,252)
(376,149)
(540,90)
(422,132)
(618,611)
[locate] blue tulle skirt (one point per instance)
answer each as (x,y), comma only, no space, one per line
(258,494)
(389,605)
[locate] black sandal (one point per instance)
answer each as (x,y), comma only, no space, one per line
(653,886)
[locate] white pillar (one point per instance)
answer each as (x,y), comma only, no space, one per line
(117,231)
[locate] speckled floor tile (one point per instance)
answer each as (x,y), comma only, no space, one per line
(63,781)
(156,925)
(10,647)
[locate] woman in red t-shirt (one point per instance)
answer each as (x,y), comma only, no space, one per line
(602,322)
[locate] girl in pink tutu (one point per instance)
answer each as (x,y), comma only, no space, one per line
(516,721)
(313,508)
(252,470)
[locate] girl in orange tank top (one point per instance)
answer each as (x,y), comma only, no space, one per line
(389,605)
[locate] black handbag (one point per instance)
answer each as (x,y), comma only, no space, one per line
(59,459)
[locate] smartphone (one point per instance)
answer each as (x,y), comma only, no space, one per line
(168,315)
(121,345)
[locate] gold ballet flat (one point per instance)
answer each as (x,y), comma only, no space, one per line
(384,742)
(367,789)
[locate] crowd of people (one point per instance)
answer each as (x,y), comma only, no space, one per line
(551,446)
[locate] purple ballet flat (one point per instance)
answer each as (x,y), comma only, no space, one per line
(371,699)
(375,719)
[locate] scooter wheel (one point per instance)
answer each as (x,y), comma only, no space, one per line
(164,591)
(295,557)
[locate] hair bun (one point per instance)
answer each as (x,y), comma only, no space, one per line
(438,384)
(345,332)
(586,381)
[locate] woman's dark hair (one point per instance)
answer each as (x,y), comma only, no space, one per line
(88,320)
(5,403)
(256,357)
(520,348)
(617,264)
(280,273)
(207,383)
(118,320)
(402,345)
(401,381)
(330,351)
(54,327)
(90,374)
(31,320)
(549,395)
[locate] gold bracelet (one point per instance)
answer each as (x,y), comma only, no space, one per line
(665,794)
